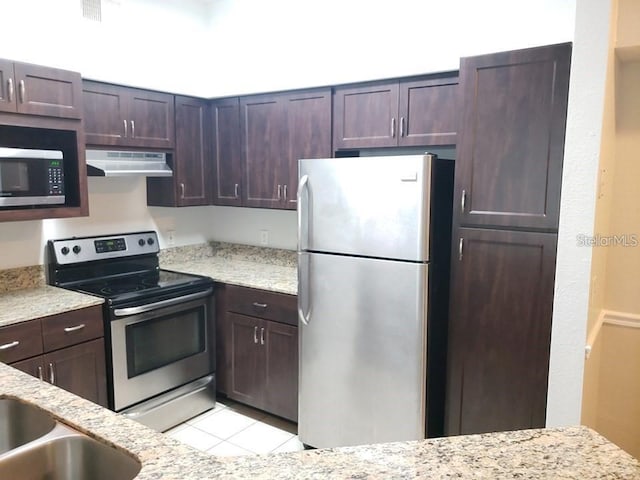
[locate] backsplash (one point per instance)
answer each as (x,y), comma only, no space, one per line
(21,278)
(232,251)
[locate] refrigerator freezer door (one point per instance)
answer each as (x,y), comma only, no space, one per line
(366,206)
(362,351)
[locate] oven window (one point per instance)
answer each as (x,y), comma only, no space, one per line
(164,340)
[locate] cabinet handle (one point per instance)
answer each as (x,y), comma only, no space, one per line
(10,89)
(255,334)
(7,346)
(285,192)
(182,190)
(126,129)
(402,126)
(262,336)
(22,91)
(260,305)
(460,247)
(279,192)
(74,329)
(393,127)
(235,190)
(463,200)
(52,374)
(133,129)
(40,374)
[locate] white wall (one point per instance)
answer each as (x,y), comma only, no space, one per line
(118,205)
(153,44)
(282,44)
(577,210)
(226,47)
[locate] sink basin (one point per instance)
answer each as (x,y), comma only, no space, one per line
(21,423)
(73,456)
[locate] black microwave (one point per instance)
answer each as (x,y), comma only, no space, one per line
(31,177)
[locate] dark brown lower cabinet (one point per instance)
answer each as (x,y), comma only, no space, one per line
(79,369)
(257,348)
(499,330)
(264,364)
(66,350)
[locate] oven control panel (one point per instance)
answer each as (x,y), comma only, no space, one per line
(87,249)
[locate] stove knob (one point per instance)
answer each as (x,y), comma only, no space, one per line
(64,250)
(76,249)
(150,241)
(141,242)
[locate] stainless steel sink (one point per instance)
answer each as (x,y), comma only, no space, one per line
(72,456)
(35,446)
(21,423)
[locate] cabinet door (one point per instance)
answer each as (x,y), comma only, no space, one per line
(151,119)
(7,87)
(79,369)
(366,117)
(227,154)
(33,366)
(499,331)
(191,161)
(105,114)
(264,150)
(511,137)
(428,112)
(281,378)
(247,360)
(309,132)
(48,91)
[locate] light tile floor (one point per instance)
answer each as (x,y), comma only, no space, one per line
(232,429)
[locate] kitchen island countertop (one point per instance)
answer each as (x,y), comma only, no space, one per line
(560,453)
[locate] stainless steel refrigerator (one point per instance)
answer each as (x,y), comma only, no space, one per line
(374,240)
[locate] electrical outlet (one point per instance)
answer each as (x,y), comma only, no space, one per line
(171,240)
(264,237)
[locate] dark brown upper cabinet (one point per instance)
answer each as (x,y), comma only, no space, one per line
(190,183)
(499,330)
(511,140)
(127,117)
(276,131)
(38,90)
(264,147)
(396,113)
(227,153)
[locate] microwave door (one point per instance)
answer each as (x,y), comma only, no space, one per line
(31,177)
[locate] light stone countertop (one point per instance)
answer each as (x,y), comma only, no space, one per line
(27,304)
(247,266)
(275,278)
(561,453)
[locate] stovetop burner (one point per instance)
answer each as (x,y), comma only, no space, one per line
(138,283)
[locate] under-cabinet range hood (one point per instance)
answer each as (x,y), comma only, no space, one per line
(114,163)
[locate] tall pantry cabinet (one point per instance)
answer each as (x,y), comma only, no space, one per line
(506,210)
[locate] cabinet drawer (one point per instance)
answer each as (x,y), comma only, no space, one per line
(69,328)
(262,303)
(22,340)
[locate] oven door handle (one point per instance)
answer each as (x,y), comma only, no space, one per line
(123,312)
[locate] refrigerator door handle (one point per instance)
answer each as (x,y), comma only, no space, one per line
(303,240)
(304,299)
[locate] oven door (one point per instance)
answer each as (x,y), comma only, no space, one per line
(168,344)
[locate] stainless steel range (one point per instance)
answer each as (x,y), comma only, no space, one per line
(159,324)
